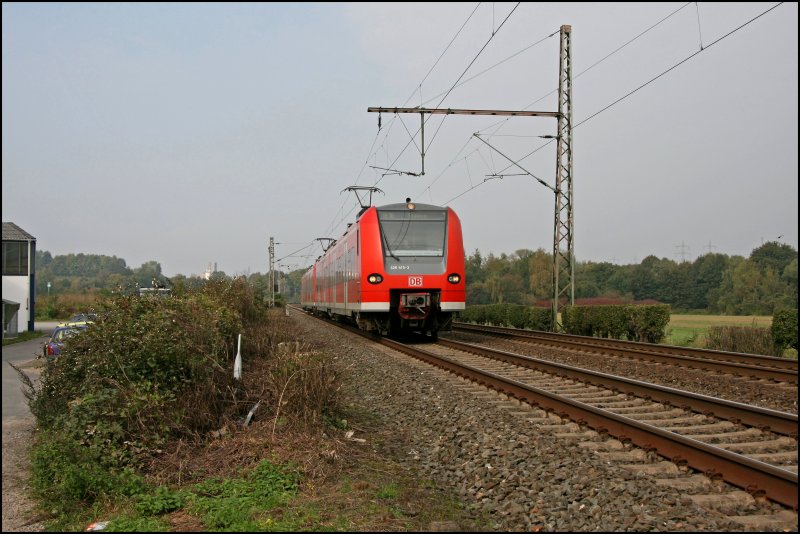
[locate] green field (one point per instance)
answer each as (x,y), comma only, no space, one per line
(690,330)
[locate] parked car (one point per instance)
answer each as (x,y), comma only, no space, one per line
(80,319)
(60,334)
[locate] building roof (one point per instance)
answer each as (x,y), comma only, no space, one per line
(12,232)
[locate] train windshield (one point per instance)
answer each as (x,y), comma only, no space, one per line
(413,233)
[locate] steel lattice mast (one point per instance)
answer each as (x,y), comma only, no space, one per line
(563,235)
(563,238)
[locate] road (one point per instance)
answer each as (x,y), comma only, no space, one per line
(23,355)
(18,423)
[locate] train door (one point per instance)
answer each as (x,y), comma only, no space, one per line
(348,273)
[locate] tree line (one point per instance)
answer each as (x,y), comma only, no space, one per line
(715,283)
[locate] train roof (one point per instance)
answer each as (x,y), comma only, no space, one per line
(404,206)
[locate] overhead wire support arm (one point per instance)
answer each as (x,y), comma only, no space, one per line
(548,186)
(450,111)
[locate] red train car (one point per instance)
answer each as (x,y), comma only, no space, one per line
(399,268)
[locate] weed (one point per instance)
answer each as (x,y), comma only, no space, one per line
(234,503)
(160,501)
(390,491)
(137,524)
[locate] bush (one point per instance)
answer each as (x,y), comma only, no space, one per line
(749,340)
(517,315)
(153,372)
(541,319)
(638,323)
(784,330)
(148,371)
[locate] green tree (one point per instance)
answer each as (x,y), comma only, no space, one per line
(148,272)
(746,290)
(789,277)
(540,279)
(706,272)
(474,267)
(773,255)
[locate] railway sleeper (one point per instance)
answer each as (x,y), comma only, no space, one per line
(736,434)
(633,455)
(658,415)
(702,428)
(777,458)
(691,483)
(658,468)
(667,423)
(644,407)
(726,503)
(587,434)
(784,520)
(759,446)
(607,445)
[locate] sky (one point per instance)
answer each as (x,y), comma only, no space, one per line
(191,133)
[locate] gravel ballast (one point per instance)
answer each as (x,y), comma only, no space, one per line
(498,463)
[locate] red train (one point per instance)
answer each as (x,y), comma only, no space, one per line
(399,268)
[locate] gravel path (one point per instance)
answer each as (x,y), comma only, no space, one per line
(18,509)
(496,462)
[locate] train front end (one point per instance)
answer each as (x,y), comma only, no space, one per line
(413,269)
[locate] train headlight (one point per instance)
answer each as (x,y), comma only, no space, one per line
(375,278)
(454,278)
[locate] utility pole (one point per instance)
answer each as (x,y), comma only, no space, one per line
(563,236)
(683,246)
(271,272)
(563,239)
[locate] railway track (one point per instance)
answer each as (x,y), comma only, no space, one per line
(751,366)
(749,447)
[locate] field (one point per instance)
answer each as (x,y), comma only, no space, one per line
(690,330)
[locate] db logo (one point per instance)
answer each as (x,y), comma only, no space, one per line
(415,281)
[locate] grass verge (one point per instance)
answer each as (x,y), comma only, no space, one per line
(23,336)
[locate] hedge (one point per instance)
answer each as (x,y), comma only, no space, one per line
(515,315)
(645,323)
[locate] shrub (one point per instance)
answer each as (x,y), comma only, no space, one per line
(648,323)
(517,315)
(639,323)
(746,339)
(148,371)
(541,319)
(784,329)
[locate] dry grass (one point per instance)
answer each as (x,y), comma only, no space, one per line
(705,321)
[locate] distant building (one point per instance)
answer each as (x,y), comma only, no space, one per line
(19,279)
(210,271)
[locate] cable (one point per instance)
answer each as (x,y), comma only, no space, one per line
(677,65)
(593,65)
(499,124)
(450,90)
(336,222)
(640,87)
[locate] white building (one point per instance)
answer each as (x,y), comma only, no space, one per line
(19,279)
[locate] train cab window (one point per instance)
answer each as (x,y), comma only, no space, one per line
(413,233)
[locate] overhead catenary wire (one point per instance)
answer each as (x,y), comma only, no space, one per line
(633,91)
(499,124)
(336,222)
(451,89)
(494,33)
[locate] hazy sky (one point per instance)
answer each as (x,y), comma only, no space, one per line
(191,133)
